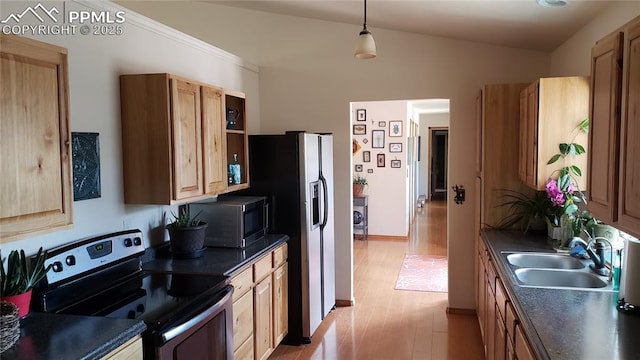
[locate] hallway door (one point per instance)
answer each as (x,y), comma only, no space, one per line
(439,140)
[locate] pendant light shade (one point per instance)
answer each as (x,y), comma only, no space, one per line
(365,45)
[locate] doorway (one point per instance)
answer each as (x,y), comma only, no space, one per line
(438,162)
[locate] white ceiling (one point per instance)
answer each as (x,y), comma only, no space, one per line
(513,23)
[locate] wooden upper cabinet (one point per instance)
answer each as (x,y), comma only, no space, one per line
(237,136)
(214,140)
(555,107)
(604,115)
(186,139)
(35,190)
(629,207)
(174,139)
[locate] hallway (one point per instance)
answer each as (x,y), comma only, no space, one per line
(386,323)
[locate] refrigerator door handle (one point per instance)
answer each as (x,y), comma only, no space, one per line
(325,201)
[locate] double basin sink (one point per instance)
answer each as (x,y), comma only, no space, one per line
(547,270)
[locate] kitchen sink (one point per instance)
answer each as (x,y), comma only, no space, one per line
(558,278)
(542,260)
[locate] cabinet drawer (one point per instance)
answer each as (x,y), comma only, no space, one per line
(244,351)
(242,283)
(280,255)
(242,319)
(262,268)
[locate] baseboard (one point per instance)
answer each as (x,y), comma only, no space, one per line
(458,311)
(381,237)
(344,303)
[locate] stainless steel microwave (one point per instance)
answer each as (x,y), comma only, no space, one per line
(234,221)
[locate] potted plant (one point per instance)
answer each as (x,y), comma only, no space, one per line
(359,182)
(527,212)
(21,276)
(186,234)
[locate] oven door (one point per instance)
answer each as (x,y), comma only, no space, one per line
(206,335)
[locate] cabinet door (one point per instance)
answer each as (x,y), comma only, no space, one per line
(280,304)
(214,141)
(604,115)
(36,190)
(500,351)
(186,139)
(242,320)
(523,349)
(630,148)
(263,311)
(481,290)
(490,314)
(479,134)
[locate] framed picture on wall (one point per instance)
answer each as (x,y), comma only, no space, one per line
(382,124)
(377,139)
(380,160)
(361,115)
(395,128)
(366,156)
(359,129)
(370,171)
(395,147)
(358,168)
(395,163)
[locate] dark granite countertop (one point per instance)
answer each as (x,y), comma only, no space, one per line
(564,324)
(214,260)
(53,336)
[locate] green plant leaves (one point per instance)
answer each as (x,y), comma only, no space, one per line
(553,159)
(22,275)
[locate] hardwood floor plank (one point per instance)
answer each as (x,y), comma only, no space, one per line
(386,323)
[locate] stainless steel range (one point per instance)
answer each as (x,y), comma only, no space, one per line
(187,316)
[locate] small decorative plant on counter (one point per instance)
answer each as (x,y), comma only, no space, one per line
(186,234)
(20,278)
(359,182)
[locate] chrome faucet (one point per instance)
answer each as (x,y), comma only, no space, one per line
(598,257)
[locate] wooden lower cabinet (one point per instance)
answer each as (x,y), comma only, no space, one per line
(131,350)
(243,320)
(263,311)
(523,349)
(260,306)
(244,350)
(280,304)
(500,328)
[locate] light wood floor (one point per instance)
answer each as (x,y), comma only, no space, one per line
(386,323)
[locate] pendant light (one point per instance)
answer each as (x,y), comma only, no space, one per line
(365,45)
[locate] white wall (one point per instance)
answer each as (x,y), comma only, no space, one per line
(427,121)
(388,186)
(95,62)
(308,77)
(574,56)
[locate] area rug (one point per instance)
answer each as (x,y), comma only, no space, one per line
(423,273)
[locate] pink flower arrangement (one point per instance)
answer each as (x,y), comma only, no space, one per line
(563,196)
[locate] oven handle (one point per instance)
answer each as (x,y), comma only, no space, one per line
(172,333)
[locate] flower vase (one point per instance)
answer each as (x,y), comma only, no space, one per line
(566,230)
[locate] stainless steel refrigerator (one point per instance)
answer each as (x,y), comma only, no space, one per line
(295,172)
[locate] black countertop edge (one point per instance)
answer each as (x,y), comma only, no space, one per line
(119,340)
(508,282)
(214,260)
(57,336)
